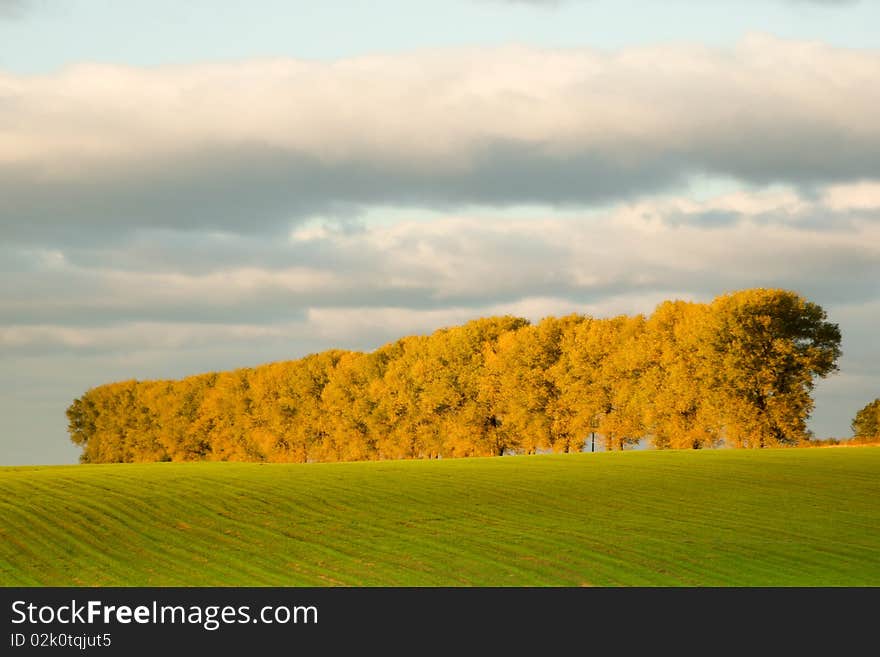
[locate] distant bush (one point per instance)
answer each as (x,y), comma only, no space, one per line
(823,442)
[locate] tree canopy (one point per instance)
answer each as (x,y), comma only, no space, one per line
(737,371)
(866,424)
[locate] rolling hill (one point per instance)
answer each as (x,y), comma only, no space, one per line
(705,518)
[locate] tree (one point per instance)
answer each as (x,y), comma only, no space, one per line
(518,382)
(740,369)
(866,423)
(399,398)
(224,420)
(769,346)
(597,375)
(624,397)
(347,405)
(81,420)
(456,387)
(676,383)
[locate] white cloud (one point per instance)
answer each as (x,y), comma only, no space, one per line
(440,109)
(857,196)
(260,145)
(228,285)
(135,335)
(556,3)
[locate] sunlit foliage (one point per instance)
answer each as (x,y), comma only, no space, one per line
(866,424)
(737,371)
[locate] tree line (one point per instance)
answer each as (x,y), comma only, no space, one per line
(737,371)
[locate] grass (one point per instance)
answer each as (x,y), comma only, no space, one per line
(710,518)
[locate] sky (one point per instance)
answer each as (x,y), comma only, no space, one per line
(190,187)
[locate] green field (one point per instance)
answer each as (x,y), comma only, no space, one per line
(705,518)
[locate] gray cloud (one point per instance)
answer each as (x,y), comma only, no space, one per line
(827,245)
(10,9)
(255,189)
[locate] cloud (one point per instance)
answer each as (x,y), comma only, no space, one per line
(96,152)
(539,3)
(10,9)
(441,268)
(825,2)
(862,196)
(556,3)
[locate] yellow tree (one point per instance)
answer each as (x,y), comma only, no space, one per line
(146,426)
(623,396)
(347,406)
(740,369)
(596,375)
(461,355)
(577,407)
(304,387)
(679,412)
(866,423)
(113,420)
(517,378)
(272,411)
(181,440)
(769,346)
(397,412)
(223,421)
